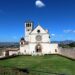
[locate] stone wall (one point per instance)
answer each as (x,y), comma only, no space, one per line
(69,52)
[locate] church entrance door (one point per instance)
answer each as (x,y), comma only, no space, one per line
(38,48)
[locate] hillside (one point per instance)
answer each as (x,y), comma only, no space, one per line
(47,63)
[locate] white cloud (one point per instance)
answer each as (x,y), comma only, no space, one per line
(67,31)
(52,34)
(39,4)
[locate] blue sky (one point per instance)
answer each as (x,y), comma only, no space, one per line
(58,16)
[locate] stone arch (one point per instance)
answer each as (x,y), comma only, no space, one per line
(38,48)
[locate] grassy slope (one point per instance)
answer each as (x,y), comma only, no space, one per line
(52,63)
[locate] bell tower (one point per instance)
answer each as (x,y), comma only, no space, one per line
(28,29)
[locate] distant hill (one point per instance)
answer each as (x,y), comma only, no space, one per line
(9,44)
(63,42)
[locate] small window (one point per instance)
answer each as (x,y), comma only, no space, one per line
(38,31)
(28,24)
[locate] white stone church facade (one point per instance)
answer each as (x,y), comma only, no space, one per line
(37,41)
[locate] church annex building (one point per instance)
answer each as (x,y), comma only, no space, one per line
(36,41)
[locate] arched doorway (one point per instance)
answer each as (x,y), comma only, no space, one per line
(38,48)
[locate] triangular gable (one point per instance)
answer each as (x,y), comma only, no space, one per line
(38,28)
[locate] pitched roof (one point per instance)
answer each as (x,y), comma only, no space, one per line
(39,28)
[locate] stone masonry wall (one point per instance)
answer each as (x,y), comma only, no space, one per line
(69,52)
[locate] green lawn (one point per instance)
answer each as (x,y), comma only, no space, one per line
(48,63)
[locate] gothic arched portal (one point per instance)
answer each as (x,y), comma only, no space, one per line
(38,48)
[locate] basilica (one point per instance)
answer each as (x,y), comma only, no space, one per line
(36,41)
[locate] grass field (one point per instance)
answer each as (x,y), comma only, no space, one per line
(48,63)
